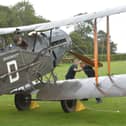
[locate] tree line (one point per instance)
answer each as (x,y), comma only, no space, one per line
(82,39)
(21,13)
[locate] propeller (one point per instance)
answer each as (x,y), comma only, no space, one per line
(85,59)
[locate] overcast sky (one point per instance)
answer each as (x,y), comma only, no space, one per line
(61,9)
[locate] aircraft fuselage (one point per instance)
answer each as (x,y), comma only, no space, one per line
(21,66)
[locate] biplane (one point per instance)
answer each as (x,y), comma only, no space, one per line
(39,51)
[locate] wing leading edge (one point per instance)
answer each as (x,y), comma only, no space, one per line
(70,21)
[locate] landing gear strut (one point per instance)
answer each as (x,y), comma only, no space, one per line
(22,101)
(68,105)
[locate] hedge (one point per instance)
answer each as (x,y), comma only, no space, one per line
(114,57)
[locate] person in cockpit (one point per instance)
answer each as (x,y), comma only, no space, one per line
(19,41)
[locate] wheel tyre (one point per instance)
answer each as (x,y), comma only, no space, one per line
(22,101)
(68,105)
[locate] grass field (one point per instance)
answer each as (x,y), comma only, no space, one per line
(51,114)
(117,67)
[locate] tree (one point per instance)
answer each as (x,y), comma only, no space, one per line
(102,43)
(5,13)
(85,29)
(25,14)
(21,13)
(84,35)
(78,43)
(83,32)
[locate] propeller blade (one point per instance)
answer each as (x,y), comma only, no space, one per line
(85,59)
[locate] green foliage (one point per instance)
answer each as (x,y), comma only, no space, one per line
(114,57)
(102,43)
(82,39)
(85,29)
(5,13)
(78,43)
(21,13)
(24,14)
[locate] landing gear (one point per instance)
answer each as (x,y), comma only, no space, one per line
(22,101)
(68,105)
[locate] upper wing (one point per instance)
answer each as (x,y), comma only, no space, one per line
(10,30)
(72,20)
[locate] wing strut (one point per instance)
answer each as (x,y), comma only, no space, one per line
(96,51)
(108,45)
(50,38)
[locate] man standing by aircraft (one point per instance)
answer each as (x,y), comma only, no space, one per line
(72,70)
(89,71)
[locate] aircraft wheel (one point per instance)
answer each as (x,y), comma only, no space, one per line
(22,101)
(68,105)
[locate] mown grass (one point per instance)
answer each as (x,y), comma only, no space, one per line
(51,114)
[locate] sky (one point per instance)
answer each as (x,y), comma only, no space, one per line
(62,9)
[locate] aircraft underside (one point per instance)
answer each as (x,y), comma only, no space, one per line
(67,91)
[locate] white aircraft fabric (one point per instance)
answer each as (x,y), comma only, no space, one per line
(70,21)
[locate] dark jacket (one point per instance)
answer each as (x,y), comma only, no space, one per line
(71,72)
(89,71)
